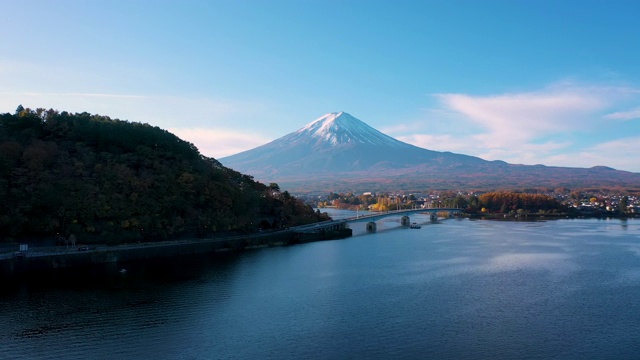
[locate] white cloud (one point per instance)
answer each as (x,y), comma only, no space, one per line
(219,143)
(513,119)
(526,153)
(444,142)
(201,121)
(401,128)
(619,153)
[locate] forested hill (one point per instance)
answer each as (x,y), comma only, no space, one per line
(107,180)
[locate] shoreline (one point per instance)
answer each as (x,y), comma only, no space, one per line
(44,259)
(507,217)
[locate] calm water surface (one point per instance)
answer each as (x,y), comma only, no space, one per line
(458,289)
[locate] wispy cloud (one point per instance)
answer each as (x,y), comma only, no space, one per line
(559,125)
(159,110)
(88,95)
(80,89)
(624,115)
(620,153)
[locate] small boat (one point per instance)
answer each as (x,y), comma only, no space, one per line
(415,226)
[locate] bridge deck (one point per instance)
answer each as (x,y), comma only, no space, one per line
(329,224)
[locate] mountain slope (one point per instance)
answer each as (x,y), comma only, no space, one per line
(336,142)
(339,152)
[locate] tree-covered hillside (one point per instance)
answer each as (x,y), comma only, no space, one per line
(107,180)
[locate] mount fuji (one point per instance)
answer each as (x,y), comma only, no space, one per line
(338,152)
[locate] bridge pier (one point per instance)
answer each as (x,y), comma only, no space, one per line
(405,221)
(372,227)
(339,226)
(433,216)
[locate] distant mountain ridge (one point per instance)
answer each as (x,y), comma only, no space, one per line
(338,152)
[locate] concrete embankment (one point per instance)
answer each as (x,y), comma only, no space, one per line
(35,260)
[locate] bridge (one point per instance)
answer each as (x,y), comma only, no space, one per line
(372,218)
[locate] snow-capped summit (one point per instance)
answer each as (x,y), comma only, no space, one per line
(340,128)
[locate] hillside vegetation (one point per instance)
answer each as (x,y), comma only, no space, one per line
(108,180)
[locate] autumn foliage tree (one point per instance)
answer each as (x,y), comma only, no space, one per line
(512,201)
(110,180)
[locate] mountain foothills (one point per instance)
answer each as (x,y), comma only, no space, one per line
(107,180)
(338,152)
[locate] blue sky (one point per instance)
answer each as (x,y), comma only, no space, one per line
(528,82)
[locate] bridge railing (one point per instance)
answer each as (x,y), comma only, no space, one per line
(384,214)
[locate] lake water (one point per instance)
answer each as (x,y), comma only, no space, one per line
(457,289)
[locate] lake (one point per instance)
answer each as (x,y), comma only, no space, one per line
(456,289)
